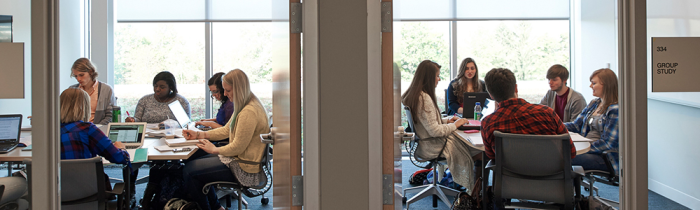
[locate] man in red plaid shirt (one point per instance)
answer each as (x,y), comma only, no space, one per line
(515,115)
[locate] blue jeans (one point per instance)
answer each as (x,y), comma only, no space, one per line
(201,171)
(590,161)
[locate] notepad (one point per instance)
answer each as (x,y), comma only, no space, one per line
(140,155)
(166,148)
(181,142)
(28,148)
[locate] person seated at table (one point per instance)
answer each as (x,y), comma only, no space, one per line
(153,108)
(467,81)
(515,115)
(249,120)
(225,110)
(599,122)
(101,94)
(565,101)
(81,139)
(436,133)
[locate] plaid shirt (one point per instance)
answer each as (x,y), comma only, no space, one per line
(609,136)
(81,140)
(520,117)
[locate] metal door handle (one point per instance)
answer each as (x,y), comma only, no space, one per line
(269,138)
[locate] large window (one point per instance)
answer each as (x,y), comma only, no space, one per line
(528,48)
(144,49)
(246,46)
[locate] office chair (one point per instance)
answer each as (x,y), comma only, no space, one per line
(534,167)
(83,185)
(229,189)
(609,177)
(11,191)
(434,189)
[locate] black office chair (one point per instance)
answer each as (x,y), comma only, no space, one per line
(83,185)
(534,168)
(229,189)
(609,177)
(433,190)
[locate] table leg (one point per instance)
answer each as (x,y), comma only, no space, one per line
(484,180)
(126,174)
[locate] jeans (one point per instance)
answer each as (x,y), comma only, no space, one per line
(201,171)
(590,162)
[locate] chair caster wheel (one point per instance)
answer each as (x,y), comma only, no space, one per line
(265,201)
(403,200)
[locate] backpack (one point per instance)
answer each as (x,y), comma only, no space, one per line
(181,204)
(418,177)
(169,185)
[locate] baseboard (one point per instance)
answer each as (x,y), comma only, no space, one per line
(673,194)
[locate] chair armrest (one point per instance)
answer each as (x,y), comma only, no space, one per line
(491,164)
(205,189)
(118,189)
(578,170)
(606,157)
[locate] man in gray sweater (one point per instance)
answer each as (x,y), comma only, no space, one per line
(566,102)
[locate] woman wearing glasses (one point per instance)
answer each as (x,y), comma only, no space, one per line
(225,110)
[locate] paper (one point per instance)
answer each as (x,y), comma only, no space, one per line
(166,148)
(575,137)
(27,140)
(476,141)
(181,142)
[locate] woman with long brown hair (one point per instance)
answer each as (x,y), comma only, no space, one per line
(467,81)
(436,137)
(599,122)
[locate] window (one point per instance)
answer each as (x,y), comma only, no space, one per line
(144,49)
(528,48)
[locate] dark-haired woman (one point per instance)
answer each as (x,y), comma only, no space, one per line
(467,81)
(216,89)
(437,139)
(153,108)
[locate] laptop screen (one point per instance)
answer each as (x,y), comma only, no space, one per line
(126,133)
(9,128)
(179,112)
(470,100)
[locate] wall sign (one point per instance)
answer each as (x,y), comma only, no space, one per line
(675,64)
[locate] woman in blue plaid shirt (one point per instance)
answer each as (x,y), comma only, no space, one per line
(599,122)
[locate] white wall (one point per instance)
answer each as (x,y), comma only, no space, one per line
(593,46)
(70,47)
(673,139)
(21,32)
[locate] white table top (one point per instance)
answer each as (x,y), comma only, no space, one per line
(582,144)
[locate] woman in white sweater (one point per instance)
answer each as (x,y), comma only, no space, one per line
(233,162)
(436,138)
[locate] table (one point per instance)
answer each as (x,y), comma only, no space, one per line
(581,144)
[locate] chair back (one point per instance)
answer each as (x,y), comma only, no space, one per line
(82,183)
(533,167)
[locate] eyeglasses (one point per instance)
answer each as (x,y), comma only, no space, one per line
(214,92)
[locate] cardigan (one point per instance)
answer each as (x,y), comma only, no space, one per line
(105,103)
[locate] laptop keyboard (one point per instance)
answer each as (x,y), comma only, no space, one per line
(7,148)
(132,147)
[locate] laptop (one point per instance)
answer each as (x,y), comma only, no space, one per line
(132,135)
(180,114)
(470,100)
(10,126)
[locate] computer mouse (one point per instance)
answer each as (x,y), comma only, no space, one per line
(21,145)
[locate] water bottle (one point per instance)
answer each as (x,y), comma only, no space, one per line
(116,114)
(477,111)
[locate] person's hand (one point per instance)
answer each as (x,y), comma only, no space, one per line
(119,145)
(205,123)
(130,119)
(208,147)
(461,122)
(190,134)
(460,110)
(453,119)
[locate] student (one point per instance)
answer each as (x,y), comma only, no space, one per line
(598,122)
(249,120)
(435,133)
(81,139)
(566,102)
(467,81)
(515,115)
(226,108)
(153,108)
(101,95)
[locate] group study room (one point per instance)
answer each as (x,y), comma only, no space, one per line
(154,109)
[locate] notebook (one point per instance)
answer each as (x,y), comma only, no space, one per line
(180,114)
(10,126)
(130,134)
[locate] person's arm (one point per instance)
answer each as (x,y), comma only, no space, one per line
(240,139)
(560,129)
(110,105)
(576,126)
(427,116)
(100,144)
(577,107)
(451,100)
(140,109)
(487,137)
(545,98)
(609,138)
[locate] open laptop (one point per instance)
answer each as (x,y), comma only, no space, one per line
(132,135)
(470,100)
(180,114)
(10,126)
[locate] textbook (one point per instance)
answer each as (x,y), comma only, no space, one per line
(181,142)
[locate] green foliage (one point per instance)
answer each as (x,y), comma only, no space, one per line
(417,43)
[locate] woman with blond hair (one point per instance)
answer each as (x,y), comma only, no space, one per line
(101,94)
(231,162)
(467,81)
(81,139)
(599,122)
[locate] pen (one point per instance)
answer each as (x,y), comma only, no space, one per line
(127,114)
